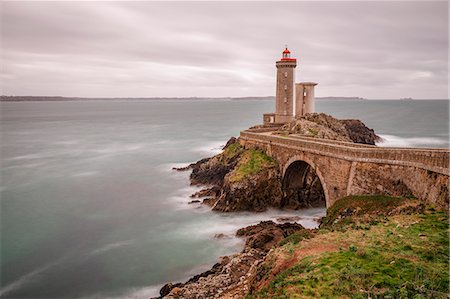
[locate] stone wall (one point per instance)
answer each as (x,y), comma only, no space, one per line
(351,169)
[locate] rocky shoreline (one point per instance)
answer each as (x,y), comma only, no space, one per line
(232,272)
(241,179)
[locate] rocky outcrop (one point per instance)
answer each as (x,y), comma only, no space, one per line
(230,277)
(267,234)
(241,179)
(237,180)
(359,132)
(321,125)
(254,192)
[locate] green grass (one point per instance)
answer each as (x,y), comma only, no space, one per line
(232,150)
(404,257)
(371,206)
(296,237)
(251,162)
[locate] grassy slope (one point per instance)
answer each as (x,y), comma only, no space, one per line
(251,162)
(364,255)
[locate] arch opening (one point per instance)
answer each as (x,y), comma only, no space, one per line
(302,187)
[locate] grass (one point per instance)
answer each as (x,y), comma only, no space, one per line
(296,237)
(346,211)
(232,150)
(251,162)
(401,256)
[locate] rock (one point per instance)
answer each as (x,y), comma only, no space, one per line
(228,275)
(167,288)
(255,192)
(182,168)
(176,291)
(267,234)
(232,275)
(194,201)
(285,219)
(212,171)
(192,165)
(212,191)
(318,126)
(359,133)
(209,201)
(231,141)
(321,125)
(220,236)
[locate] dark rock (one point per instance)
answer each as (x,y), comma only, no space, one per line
(212,191)
(359,133)
(256,192)
(165,290)
(267,234)
(211,171)
(216,268)
(231,141)
(289,219)
(210,201)
(192,165)
(182,168)
(194,201)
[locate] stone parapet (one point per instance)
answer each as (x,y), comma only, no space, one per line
(436,160)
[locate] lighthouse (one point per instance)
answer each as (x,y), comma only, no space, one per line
(287,90)
(284,109)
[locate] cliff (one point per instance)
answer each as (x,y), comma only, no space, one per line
(238,179)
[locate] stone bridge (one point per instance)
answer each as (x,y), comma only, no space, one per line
(346,168)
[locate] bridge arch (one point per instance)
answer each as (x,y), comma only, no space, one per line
(296,168)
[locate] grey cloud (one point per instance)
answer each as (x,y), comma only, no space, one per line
(372,49)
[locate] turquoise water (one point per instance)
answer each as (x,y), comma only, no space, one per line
(91,208)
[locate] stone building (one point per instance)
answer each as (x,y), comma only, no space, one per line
(286,109)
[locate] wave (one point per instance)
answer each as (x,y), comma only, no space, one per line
(111,246)
(182,197)
(211,225)
(27,278)
(133,293)
(211,148)
(397,141)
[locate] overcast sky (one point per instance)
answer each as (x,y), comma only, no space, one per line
(215,49)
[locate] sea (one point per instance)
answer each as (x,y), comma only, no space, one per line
(90,205)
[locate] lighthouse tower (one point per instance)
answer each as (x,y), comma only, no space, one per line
(284,106)
(284,109)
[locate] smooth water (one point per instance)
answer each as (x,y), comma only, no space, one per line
(91,208)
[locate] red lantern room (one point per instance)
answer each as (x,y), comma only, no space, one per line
(286,56)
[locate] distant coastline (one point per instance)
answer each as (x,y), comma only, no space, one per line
(4,98)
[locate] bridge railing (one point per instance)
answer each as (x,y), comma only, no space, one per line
(431,157)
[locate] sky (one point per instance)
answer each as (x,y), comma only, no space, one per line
(377,50)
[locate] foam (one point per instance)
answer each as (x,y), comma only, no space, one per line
(111,246)
(397,141)
(211,148)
